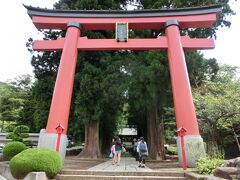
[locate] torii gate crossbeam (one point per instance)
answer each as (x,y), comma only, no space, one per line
(159,43)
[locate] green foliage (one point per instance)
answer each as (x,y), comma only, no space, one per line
(199,68)
(214,150)
(218,106)
(10,127)
(13,97)
(11,104)
(35,159)
(21,129)
(2,84)
(123,117)
(38,108)
(19,133)
(169,125)
(207,165)
(194,32)
(13,148)
(172,150)
(91,4)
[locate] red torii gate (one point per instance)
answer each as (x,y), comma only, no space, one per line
(171,20)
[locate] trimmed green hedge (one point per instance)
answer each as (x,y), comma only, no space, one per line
(13,148)
(35,160)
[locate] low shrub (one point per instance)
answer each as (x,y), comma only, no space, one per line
(172,150)
(13,148)
(207,165)
(35,160)
(19,133)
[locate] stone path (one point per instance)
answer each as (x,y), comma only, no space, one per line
(126,164)
(127,170)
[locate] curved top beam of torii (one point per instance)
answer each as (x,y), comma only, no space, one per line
(193,17)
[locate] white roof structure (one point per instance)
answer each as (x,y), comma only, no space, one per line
(128,131)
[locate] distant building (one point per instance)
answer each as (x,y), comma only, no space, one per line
(127,134)
(127,131)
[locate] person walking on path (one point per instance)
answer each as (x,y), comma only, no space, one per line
(112,154)
(135,144)
(118,150)
(137,150)
(143,152)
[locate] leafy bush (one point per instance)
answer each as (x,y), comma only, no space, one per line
(19,133)
(207,165)
(13,148)
(10,127)
(172,150)
(35,159)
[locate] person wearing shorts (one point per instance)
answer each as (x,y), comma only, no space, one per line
(118,150)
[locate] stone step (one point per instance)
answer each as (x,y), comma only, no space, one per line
(165,165)
(122,173)
(102,177)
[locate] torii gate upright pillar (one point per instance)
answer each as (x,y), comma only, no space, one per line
(62,95)
(182,96)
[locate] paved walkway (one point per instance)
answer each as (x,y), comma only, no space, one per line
(126,164)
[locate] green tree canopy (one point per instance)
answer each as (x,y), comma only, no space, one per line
(13,97)
(218,106)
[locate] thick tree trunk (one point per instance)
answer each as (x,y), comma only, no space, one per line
(91,148)
(161,138)
(155,135)
(106,137)
(212,147)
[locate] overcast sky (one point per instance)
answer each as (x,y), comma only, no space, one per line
(17,27)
